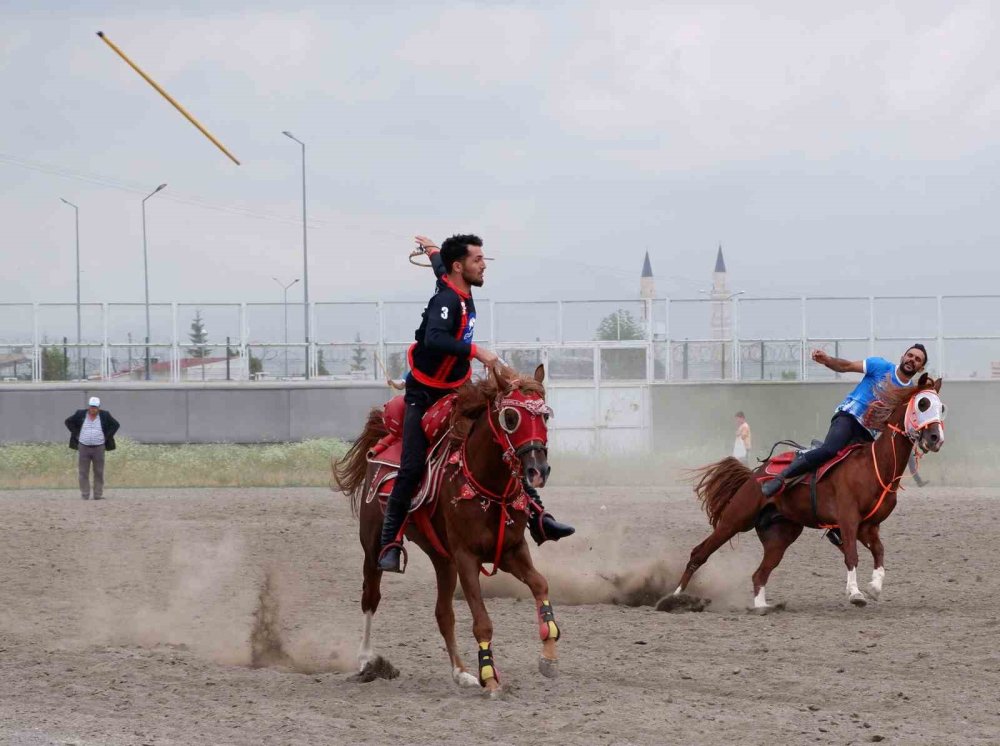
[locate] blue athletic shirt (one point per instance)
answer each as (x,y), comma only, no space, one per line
(858,401)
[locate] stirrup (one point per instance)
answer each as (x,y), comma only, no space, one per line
(834,537)
(400,568)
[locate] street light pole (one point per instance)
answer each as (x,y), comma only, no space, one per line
(145,269)
(305,247)
(77,211)
(284,289)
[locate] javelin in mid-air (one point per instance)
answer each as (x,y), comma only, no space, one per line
(169,98)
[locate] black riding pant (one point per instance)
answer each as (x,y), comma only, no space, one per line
(418,399)
(844,430)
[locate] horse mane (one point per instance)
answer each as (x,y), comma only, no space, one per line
(474,397)
(888,397)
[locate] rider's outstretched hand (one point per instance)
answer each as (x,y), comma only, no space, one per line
(427,244)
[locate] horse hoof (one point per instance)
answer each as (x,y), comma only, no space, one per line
(858,599)
(491,689)
(464,678)
(548,667)
(874,591)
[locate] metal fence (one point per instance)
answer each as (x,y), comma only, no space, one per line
(738,339)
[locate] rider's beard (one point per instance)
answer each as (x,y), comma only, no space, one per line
(473,280)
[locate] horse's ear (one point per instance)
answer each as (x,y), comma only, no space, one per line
(540,373)
(937,385)
(922,382)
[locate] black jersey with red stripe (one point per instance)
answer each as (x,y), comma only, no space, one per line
(443,350)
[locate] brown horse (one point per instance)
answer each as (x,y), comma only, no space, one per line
(497,437)
(857,495)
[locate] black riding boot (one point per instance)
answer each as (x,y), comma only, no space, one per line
(541,525)
(798,466)
(395,514)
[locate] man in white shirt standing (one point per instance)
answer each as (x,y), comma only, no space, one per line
(742,445)
(92,433)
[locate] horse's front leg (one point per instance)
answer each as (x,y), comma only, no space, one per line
(517,562)
(868,535)
(849,534)
(482,626)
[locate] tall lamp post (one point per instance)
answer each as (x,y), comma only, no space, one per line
(145,268)
(284,289)
(305,246)
(77,211)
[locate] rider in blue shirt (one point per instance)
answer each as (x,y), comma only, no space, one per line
(847,424)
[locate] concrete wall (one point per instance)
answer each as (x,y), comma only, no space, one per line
(696,416)
(211,413)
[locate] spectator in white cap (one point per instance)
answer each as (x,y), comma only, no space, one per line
(92,432)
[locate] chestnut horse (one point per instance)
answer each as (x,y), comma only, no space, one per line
(497,437)
(856,496)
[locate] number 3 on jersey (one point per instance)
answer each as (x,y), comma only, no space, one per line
(444,312)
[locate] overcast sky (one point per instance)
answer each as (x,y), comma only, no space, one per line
(836,148)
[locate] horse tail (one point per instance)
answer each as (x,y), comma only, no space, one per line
(349,472)
(716,484)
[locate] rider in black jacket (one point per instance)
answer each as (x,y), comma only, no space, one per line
(440,361)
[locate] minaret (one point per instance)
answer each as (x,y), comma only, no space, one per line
(647,289)
(722,326)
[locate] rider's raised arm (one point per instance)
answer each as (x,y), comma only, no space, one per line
(839,365)
(437,263)
(444,316)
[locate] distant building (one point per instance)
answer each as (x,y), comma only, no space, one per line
(721,319)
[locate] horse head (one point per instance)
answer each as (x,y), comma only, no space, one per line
(925,415)
(518,418)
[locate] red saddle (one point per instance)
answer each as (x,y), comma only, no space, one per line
(776,464)
(386,455)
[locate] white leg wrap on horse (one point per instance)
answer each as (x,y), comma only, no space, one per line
(678,591)
(852,582)
(878,575)
(365,652)
(760,601)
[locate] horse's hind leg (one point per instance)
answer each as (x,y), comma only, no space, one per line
(371,594)
(776,538)
(444,610)
(738,516)
(371,588)
(518,563)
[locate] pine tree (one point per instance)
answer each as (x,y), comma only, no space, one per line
(198,336)
(359,357)
(618,326)
(321,368)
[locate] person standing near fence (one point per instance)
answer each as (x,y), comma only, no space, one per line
(741,447)
(91,433)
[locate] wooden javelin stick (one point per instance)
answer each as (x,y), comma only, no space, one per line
(167,96)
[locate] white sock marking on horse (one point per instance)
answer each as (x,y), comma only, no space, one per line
(878,575)
(464,678)
(678,591)
(760,601)
(365,653)
(852,582)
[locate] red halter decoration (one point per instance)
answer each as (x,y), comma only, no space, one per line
(526,433)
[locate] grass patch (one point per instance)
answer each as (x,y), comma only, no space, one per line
(53,465)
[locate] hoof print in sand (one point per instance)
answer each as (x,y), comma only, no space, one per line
(379,668)
(682,602)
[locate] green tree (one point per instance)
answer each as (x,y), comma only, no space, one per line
(256,364)
(618,326)
(55,365)
(359,356)
(321,364)
(198,336)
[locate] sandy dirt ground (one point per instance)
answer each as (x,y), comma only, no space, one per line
(128,621)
